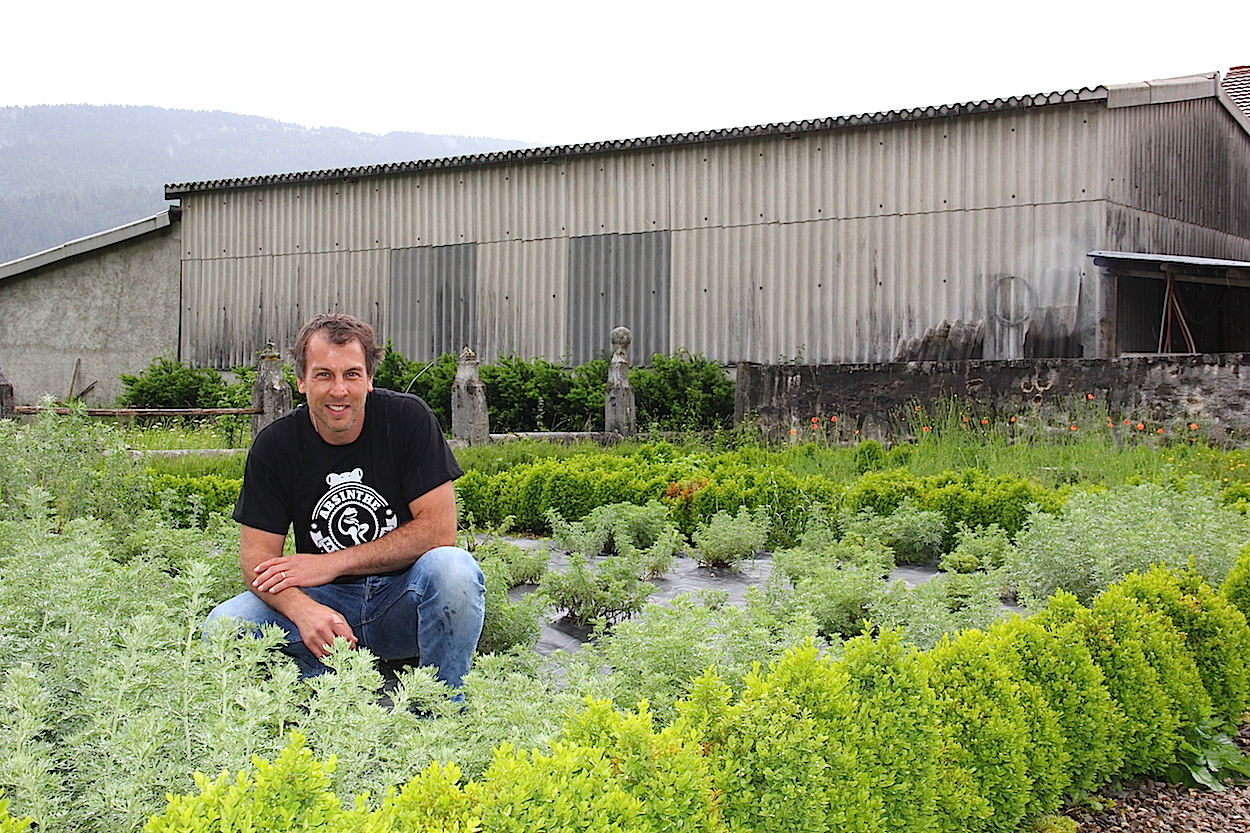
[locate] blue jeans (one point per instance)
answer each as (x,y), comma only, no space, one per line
(432,612)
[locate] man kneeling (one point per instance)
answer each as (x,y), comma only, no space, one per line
(365,476)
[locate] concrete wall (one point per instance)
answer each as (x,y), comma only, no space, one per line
(1212,390)
(115,309)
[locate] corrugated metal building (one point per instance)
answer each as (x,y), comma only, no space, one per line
(946,232)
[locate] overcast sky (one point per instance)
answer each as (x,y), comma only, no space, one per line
(558,72)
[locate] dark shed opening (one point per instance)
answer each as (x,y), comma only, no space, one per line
(1161,304)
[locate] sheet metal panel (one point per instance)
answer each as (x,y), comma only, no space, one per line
(521,202)
(1188,161)
(522,297)
(618,280)
(851,290)
(233,306)
(987,160)
(433,300)
(618,194)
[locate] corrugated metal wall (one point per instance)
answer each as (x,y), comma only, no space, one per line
(618,280)
(851,245)
(1185,162)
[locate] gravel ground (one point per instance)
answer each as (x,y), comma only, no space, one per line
(1155,806)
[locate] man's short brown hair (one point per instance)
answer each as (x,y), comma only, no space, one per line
(338,328)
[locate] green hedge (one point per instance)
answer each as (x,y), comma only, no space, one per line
(696,487)
(985,732)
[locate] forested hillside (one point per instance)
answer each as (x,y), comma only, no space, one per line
(71,170)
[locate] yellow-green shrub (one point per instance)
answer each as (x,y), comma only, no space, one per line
(1147,669)
(9,824)
(1007,735)
(1236,586)
(1213,629)
(292,793)
(784,754)
(1059,662)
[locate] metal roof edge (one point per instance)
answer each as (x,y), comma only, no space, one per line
(91,243)
(547,154)
(1216,263)
(1164,90)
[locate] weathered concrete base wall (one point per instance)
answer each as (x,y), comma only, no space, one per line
(115,311)
(1211,389)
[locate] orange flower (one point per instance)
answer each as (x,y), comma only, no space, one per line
(1089,396)
(965,419)
(987,422)
(1160,431)
(1126,422)
(1013,419)
(925,428)
(794,430)
(833,419)
(813,420)
(1073,427)
(1141,426)
(1193,426)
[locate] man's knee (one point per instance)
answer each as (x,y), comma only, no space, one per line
(451,568)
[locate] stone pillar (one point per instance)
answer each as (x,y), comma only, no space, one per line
(6,399)
(469,418)
(270,393)
(618,409)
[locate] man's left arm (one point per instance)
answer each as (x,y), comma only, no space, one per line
(433,525)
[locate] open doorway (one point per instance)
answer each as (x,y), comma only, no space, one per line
(1165,305)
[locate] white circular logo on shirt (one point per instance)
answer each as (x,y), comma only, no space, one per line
(350,513)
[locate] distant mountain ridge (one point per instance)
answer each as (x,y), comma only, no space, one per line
(69,170)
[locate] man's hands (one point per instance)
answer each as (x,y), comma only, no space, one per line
(274,575)
(318,625)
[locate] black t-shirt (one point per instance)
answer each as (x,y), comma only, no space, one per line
(337,496)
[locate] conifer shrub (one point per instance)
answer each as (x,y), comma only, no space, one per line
(1215,632)
(681,392)
(432,381)
(527,395)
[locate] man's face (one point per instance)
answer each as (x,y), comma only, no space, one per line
(335,382)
